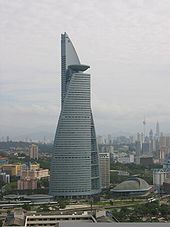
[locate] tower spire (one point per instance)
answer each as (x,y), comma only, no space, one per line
(144,128)
(157,130)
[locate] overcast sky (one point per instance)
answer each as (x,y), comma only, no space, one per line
(126,43)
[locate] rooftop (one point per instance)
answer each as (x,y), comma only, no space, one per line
(132,184)
(79,68)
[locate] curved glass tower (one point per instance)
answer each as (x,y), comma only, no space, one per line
(75,162)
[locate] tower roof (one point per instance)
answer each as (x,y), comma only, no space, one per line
(68,51)
(132,184)
(79,68)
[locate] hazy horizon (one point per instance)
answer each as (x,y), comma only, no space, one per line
(126,44)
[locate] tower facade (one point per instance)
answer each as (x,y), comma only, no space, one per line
(75,160)
(34,152)
(157,130)
(104,159)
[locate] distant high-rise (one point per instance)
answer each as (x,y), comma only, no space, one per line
(151,142)
(138,137)
(142,137)
(34,152)
(145,148)
(109,139)
(99,140)
(157,130)
(151,135)
(138,151)
(105,169)
(75,161)
(144,128)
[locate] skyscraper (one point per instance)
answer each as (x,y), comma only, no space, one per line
(75,160)
(105,169)
(157,130)
(138,151)
(34,152)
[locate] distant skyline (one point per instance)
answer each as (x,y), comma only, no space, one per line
(126,43)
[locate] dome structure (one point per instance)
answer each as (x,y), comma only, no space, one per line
(132,186)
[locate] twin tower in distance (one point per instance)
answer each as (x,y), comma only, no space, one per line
(75,161)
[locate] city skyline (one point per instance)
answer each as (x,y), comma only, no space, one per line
(128,51)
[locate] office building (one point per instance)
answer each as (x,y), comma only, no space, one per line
(162,141)
(157,134)
(100,140)
(105,169)
(166,165)
(138,152)
(19,217)
(75,161)
(34,152)
(12,169)
(166,186)
(145,148)
(161,176)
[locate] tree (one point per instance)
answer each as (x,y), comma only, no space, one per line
(134,218)
(111,202)
(26,207)
(11,186)
(44,163)
(43,182)
(164,209)
(45,207)
(62,203)
(116,179)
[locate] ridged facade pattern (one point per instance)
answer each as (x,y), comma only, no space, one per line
(75,161)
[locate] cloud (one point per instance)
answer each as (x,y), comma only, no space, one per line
(126,43)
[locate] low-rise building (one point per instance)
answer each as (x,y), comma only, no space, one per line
(41,173)
(35,173)
(166,187)
(126,159)
(134,186)
(120,172)
(160,176)
(4,178)
(12,169)
(3,160)
(52,220)
(26,184)
(34,166)
(146,161)
(19,218)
